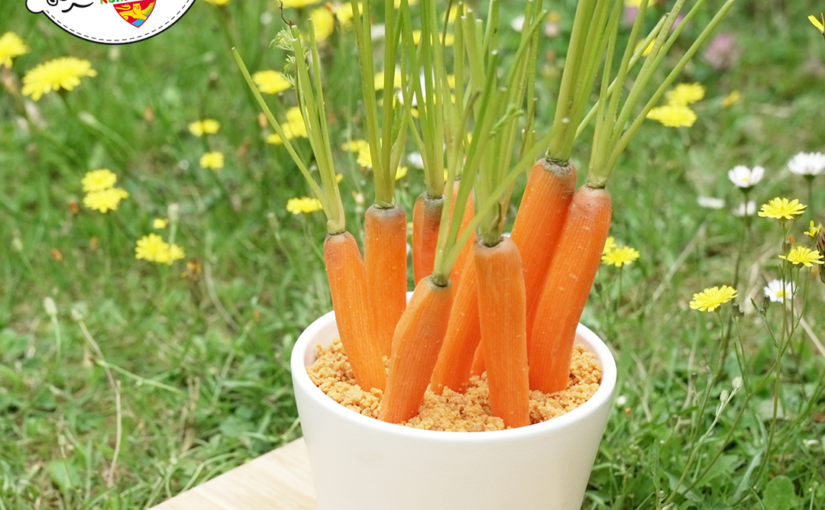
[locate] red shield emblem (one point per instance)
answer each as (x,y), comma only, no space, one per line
(135,13)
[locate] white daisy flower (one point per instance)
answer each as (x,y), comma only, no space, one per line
(748,209)
(744,177)
(415,159)
(776,292)
(710,202)
(807,163)
(518,23)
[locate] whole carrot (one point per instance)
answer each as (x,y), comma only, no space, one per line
(539,221)
(426,219)
(469,213)
(503,320)
(350,299)
(452,370)
(415,347)
(385,256)
(564,295)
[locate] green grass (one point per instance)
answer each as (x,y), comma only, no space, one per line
(202,362)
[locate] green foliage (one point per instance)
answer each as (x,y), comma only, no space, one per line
(202,359)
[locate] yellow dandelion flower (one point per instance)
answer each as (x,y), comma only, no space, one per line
(344,13)
(814,230)
(647,50)
(324,23)
(685,94)
(11,46)
(805,256)
(60,73)
(204,127)
(401,173)
(150,247)
(731,99)
(410,2)
(271,82)
(219,3)
(297,4)
(160,223)
(711,299)
(379,80)
(820,25)
(673,115)
(609,245)
(782,209)
(105,200)
(621,256)
(364,157)
(296,123)
(448,41)
(303,205)
(169,254)
(213,160)
(632,3)
(339,178)
(98,180)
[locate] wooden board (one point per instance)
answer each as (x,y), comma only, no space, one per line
(279,480)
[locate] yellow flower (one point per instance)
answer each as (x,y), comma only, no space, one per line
(781,208)
(820,25)
(271,82)
(339,178)
(711,299)
(448,41)
(299,3)
(396,81)
(219,3)
(632,3)
(802,255)
(609,245)
(105,200)
(410,2)
(673,115)
(647,50)
(153,248)
(731,99)
(623,255)
(213,160)
(303,205)
(60,73)
(11,46)
(344,13)
(160,223)
(205,126)
(364,158)
(98,180)
(400,173)
(293,127)
(814,230)
(685,94)
(324,23)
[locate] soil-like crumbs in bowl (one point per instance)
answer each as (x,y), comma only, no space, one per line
(451,411)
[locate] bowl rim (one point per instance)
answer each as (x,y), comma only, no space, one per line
(584,336)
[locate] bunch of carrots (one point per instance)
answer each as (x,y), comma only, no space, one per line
(482,301)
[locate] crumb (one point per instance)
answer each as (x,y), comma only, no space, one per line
(452,411)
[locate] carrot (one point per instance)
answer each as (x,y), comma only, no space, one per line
(566,288)
(503,320)
(426,219)
(415,347)
(350,299)
(385,257)
(538,224)
(479,367)
(452,370)
(469,213)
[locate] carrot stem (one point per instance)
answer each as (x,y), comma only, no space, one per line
(469,214)
(348,285)
(415,348)
(566,288)
(503,323)
(385,257)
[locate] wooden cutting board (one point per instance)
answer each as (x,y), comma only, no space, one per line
(279,480)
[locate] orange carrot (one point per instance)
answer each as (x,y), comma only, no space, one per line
(348,286)
(469,213)
(479,367)
(426,220)
(503,320)
(415,347)
(539,222)
(385,256)
(566,288)
(452,370)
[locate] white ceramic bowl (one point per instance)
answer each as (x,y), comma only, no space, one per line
(360,463)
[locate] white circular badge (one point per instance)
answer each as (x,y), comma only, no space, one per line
(112,21)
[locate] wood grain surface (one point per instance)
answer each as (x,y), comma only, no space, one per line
(279,480)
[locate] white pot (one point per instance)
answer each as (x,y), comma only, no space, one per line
(360,463)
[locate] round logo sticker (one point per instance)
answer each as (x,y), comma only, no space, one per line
(112,21)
